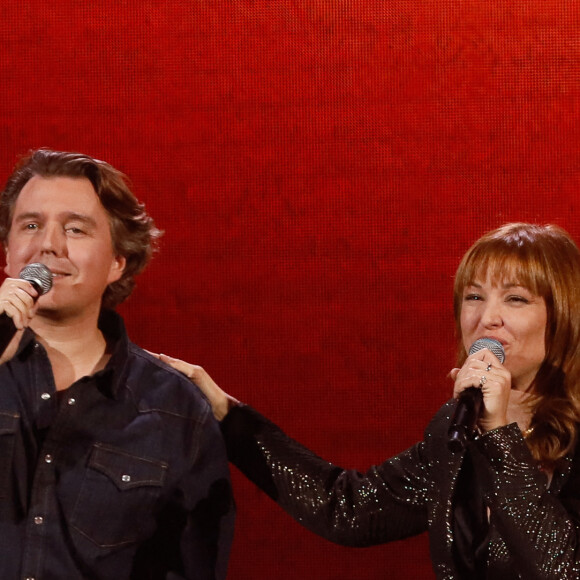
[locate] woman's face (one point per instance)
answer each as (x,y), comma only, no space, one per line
(514,316)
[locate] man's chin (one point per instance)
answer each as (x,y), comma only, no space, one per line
(51,312)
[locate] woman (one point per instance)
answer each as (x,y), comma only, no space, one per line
(508,506)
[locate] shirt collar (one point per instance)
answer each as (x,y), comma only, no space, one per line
(112,377)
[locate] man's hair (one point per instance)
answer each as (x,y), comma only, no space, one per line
(133,232)
(546,261)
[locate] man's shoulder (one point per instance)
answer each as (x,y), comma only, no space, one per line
(157,385)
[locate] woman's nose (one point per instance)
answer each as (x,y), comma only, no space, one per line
(491,314)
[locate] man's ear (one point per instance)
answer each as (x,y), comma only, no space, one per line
(6,259)
(117,268)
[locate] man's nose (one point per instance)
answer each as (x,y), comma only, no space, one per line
(53,240)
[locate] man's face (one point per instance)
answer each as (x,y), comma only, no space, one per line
(60,222)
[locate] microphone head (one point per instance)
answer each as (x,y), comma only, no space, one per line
(495,346)
(39,276)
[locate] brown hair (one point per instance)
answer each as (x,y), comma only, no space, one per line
(133,232)
(545,260)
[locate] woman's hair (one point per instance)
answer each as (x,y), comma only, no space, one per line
(546,261)
(133,232)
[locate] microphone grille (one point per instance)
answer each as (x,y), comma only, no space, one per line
(495,346)
(39,276)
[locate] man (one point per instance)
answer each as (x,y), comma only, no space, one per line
(111,463)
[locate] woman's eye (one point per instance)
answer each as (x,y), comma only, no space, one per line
(518,299)
(472,297)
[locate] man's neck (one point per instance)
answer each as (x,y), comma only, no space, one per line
(75,346)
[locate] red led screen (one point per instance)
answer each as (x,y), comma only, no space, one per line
(318,168)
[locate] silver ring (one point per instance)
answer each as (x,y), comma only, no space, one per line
(488,368)
(483,380)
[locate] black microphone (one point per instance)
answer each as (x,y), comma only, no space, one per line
(41,279)
(464,420)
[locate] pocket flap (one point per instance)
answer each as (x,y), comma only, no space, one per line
(125,470)
(8,423)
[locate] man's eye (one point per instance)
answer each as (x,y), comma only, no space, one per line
(31,227)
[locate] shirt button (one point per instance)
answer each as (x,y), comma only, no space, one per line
(72,401)
(38,520)
(45,396)
(126,478)
(48,458)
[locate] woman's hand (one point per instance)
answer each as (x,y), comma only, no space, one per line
(483,370)
(219,400)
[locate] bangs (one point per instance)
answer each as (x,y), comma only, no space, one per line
(521,269)
(504,263)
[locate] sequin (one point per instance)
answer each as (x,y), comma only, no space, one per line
(531,535)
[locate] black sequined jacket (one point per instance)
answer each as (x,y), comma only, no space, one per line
(533,530)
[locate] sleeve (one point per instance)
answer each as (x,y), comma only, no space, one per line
(538,526)
(387,503)
(196,523)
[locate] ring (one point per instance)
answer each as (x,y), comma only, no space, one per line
(483,380)
(488,368)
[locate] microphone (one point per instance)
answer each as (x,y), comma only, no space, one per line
(41,279)
(464,420)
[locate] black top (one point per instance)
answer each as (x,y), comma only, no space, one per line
(122,475)
(488,510)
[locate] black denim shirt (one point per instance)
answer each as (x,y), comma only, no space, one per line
(123,475)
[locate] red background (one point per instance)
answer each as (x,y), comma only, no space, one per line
(319,169)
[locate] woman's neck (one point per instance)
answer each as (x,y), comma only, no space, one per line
(519,409)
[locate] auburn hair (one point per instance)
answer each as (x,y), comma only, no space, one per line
(545,260)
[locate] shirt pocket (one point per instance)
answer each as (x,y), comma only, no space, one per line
(116,501)
(8,428)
